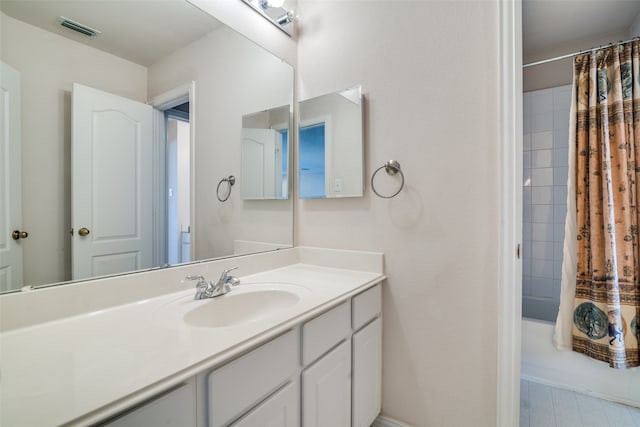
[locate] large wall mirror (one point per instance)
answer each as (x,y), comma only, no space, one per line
(330,145)
(120,118)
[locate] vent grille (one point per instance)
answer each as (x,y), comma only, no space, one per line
(76,26)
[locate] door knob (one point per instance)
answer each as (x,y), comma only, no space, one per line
(84,231)
(17,235)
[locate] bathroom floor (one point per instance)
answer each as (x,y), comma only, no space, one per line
(545,406)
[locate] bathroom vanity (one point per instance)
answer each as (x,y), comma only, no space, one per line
(298,342)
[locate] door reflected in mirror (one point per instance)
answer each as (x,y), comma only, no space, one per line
(264,153)
(330,146)
(150,53)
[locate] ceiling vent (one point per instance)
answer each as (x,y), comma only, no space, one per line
(76,26)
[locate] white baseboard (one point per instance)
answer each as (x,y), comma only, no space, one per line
(388,422)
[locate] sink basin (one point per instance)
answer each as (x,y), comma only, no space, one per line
(243,306)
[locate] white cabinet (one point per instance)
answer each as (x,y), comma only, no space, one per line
(174,408)
(338,389)
(367,374)
(323,373)
(319,335)
(326,390)
(367,356)
(236,387)
(280,410)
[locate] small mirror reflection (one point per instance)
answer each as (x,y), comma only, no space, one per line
(331,149)
(265,154)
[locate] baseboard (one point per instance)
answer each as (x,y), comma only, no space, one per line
(388,422)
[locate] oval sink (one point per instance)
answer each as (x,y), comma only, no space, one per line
(236,308)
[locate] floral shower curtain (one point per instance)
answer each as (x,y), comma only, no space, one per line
(606,311)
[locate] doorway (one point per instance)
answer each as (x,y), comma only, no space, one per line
(174,129)
(178,167)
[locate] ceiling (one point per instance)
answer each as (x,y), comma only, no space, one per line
(140,31)
(143,32)
(550,23)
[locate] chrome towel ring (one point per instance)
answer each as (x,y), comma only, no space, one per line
(230,181)
(392,167)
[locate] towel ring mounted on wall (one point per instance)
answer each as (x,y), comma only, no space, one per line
(230,181)
(392,167)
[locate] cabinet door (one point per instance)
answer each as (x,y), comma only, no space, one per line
(367,373)
(176,408)
(326,390)
(280,410)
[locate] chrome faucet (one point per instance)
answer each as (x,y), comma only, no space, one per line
(206,289)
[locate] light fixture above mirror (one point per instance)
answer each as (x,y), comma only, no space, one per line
(276,12)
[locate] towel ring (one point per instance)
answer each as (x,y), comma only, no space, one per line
(230,181)
(392,167)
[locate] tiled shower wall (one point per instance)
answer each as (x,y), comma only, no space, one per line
(546,134)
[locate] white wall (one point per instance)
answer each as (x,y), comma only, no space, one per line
(233,77)
(239,16)
(429,72)
(634,30)
(49,64)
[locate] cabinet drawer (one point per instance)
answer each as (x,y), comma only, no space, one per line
(237,386)
(322,333)
(366,306)
(280,410)
(174,408)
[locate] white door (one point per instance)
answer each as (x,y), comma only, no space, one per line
(10,179)
(326,390)
(111,194)
(259,152)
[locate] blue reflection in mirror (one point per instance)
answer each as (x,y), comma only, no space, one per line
(312,162)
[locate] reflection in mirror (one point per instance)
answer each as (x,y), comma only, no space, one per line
(264,154)
(191,77)
(330,146)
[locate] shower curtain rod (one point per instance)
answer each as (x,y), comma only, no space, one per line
(569,55)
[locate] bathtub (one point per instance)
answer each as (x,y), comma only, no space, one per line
(543,363)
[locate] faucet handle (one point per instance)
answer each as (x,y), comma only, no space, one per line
(225,273)
(202,282)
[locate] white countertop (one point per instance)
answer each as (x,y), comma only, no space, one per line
(83,368)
